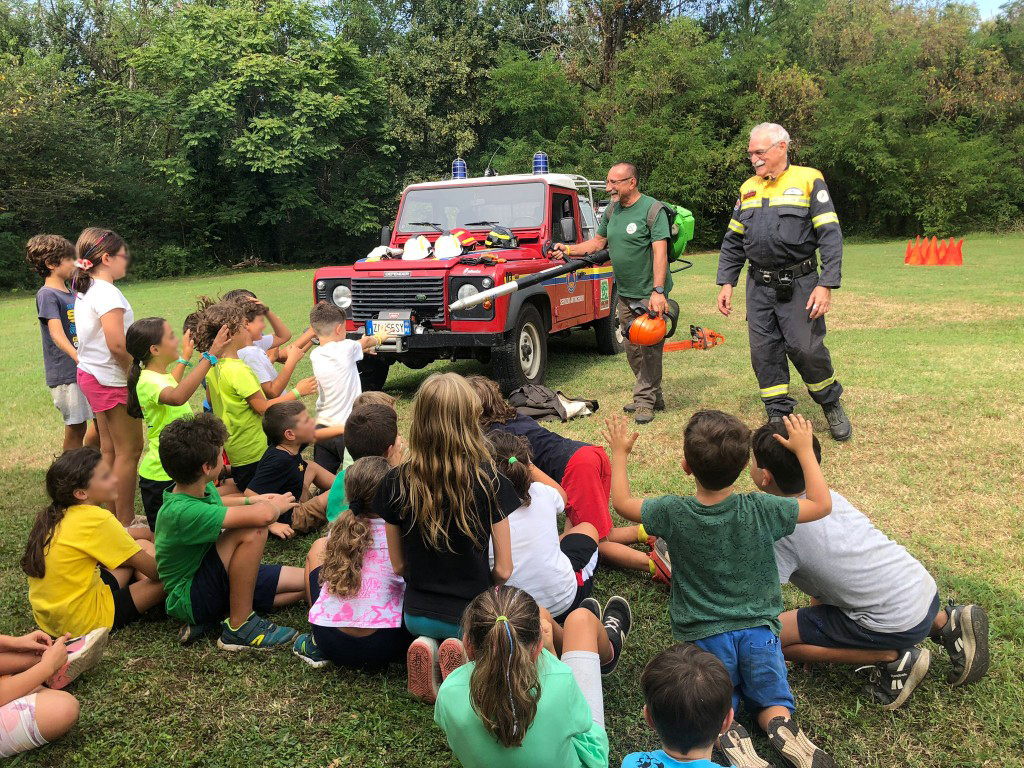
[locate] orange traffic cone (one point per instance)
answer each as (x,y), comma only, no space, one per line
(910,249)
(956,258)
(916,258)
(931,258)
(942,251)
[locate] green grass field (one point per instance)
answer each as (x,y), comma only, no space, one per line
(930,358)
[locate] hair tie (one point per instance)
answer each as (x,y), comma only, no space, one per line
(508,673)
(357,507)
(501,618)
(83,264)
(512,459)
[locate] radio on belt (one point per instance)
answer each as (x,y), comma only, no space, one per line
(397,322)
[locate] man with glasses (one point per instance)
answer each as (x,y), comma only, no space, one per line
(783,215)
(640,260)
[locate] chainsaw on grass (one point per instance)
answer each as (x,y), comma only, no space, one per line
(700,338)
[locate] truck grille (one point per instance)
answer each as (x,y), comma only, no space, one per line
(424,295)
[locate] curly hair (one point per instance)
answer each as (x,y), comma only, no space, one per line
(227,313)
(45,253)
(495,409)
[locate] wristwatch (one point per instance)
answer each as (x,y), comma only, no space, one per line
(659,289)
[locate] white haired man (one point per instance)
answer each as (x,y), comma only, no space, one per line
(783,215)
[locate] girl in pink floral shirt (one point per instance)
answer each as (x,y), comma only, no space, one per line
(356,597)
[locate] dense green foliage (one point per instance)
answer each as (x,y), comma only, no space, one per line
(283,130)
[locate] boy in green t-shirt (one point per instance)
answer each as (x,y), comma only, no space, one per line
(725,594)
(208,550)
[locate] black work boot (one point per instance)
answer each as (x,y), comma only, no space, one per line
(838,422)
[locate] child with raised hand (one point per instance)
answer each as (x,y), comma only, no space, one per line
(442,505)
(257,355)
(32,716)
(688,702)
(584,471)
(334,365)
(283,469)
(516,703)
(102,316)
(53,257)
(354,593)
(235,392)
(84,570)
(725,594)
(160,397)
(873,602)
(557,571)
(209,550)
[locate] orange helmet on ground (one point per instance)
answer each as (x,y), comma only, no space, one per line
(646,329)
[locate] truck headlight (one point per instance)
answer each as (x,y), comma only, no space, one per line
(467,290)
(342,296)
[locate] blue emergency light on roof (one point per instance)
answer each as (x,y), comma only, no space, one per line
(540,162)
(459,168)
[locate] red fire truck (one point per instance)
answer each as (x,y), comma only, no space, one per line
(410,298)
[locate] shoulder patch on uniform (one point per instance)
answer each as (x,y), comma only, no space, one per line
(822,196)
(793,191)
(749,194)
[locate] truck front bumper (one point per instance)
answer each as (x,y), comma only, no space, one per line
(438,340)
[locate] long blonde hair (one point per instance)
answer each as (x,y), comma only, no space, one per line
(447,458)
(502,626)
(351,534)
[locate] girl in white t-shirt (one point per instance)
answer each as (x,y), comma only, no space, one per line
(102,316)
(557,571)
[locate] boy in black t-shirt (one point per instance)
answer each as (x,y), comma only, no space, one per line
(282,469)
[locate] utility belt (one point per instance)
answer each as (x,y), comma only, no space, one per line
(782,279)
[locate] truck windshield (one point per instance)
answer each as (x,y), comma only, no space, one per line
(510,205)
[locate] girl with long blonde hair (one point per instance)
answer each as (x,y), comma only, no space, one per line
(516,703)
(443,506)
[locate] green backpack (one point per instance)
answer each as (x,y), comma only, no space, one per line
(680,225)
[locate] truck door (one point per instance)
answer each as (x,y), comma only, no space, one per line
(570,299)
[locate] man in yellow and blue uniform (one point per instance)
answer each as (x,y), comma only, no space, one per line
(785,214)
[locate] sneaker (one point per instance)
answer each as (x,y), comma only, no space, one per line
(591,605)
(792,743)
(659,405)
(662,562)
(451,655)
(189,633)
(890,684)
(255,634)
(838,422)
(305,648)
(423,669)
(643,415)
(965,638)
(618,620)
(84,653)
(738,749)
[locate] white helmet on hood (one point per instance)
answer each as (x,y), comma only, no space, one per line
(417,248)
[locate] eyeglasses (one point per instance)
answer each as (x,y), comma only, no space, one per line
(618,181)
(762,152)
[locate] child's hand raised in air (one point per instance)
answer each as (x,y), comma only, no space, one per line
(617,435)
(281,530)
(220,341)
(188,347)
(801,434)
(306,386)
(295,353)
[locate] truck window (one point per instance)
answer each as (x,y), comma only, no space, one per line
(510,205)
(588,225)
(561,207)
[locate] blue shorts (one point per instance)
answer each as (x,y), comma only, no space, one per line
(435,628)
(211,590)
(828,627)
(756,666)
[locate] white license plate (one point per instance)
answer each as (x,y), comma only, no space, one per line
(393,327)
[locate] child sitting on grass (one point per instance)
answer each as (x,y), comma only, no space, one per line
(235,393)
(442,505)
(160,397)
(32,716)
(725,594)
(516,704)
(53,257)
(334,365)
(84,570)
(209,551)
(557,571)
(372,431)
(688,702)
(283,470)
(356,597)
(873,601)
(584,472)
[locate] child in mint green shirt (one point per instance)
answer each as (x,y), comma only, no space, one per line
(512,656)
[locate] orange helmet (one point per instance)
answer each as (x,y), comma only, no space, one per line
(646,329)
(465,238)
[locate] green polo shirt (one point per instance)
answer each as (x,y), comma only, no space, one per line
(629,243)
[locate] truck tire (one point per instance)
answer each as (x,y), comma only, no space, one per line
(523,359)
(608,331)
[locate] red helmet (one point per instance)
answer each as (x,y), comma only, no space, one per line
(465,238)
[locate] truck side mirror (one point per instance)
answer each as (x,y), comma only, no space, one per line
(385,235)
(568,225)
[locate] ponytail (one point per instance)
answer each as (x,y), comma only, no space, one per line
(71,472)
(512,458)
(502,625)
(139,340)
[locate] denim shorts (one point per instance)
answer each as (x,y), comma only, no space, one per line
(828,627)
(211,591)
(756,665)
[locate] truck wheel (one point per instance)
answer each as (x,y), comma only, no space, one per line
(608,330)
(523,359)
(373,372)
